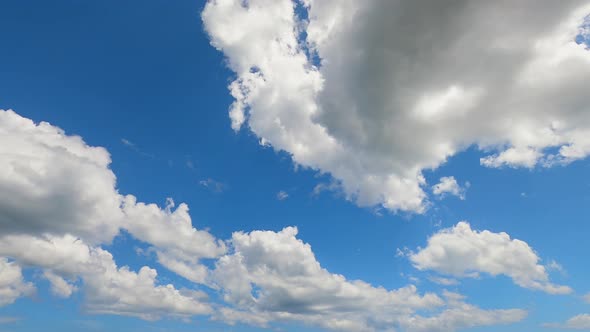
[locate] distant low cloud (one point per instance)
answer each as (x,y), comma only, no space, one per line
(9,319)
(579,322)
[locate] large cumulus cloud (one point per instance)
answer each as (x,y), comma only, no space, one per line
(375,92)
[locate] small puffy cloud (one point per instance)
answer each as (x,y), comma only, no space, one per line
(449,186)
(363,96)
(275,277)
(463,252)
(12,284)
(579,322)
(282,195)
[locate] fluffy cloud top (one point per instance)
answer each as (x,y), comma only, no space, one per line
(374,92)
(463,252)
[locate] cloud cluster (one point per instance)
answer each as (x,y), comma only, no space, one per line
(375,92)
(59,202)
(263,276)
(463,252)
(273,276)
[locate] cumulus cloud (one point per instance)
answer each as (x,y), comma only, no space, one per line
(108,288)
(59,203)
(463,252)
(12,283)
(263,276)
(579,322)
(374,98)
(274,276)
(449,186)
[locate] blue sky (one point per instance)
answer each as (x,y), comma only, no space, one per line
(142,80)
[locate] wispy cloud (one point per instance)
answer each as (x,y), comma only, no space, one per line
(135,148)
(214,186)
(282,195)
(9,320)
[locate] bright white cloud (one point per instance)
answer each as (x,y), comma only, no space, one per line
(60,202)
(108,288)
(56,184)
(449,186)
(273,276)
(12,283)
(463,252)
(266,277)
(392,95)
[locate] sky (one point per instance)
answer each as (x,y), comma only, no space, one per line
(309,165)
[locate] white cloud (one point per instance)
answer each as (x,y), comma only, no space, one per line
(12,284)
(59,286)
(273,276)
(448,185)
(74,207)
(463,252)
(579,322)
(461,315)
(56,184)
(178,245)
(444,281)
(58,195)
(393,95)
(282,195)
(214,186)
(107,288)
